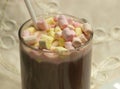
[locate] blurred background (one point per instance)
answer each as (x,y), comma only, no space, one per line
(103,15)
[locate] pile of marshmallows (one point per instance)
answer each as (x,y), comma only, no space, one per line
(57,33)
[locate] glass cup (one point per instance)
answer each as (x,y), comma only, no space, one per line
(44,69)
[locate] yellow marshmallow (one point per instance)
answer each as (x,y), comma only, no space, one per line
(51,32)
(55,43)
(36,44)
(30,39)
(48,40)
(50,21)
(31,29)
(60,49)
(78,31)
(57,29)
(61,42)
(58,35)
(42,44)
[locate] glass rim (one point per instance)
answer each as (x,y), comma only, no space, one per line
(76,18)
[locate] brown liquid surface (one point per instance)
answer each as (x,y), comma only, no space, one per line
(47,75)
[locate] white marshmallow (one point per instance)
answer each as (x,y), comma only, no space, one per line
(83,38)
(76,42)
(30,39)
(70,21)
(58,34)
(69,46)
(87,26)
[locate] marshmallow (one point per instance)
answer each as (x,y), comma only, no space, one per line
(42,44)
(30,39)
(59,49)
(62,21)
(31,30)
(56,18)
(87,29)
(76,24)
(47,39)
(43,25)
(87,26)
(68,45)
(83,38)
(70,20)
(87,34)
(78,31)
(26,33)
(71,27)
(38,34)
(58,35)
(57,29)
(51,56)
(52,25)
(36,45)
(61,42)
(50,21)
(68,34)
(51,32)
(55,43)
(76,42)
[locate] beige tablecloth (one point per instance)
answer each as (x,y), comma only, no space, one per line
(104,16)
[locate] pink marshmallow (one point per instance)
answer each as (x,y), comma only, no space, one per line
(68,34)
(76,24)
(56,18)
(70,20)
(25,33)
(42,25)
(62,21)
(69,46)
